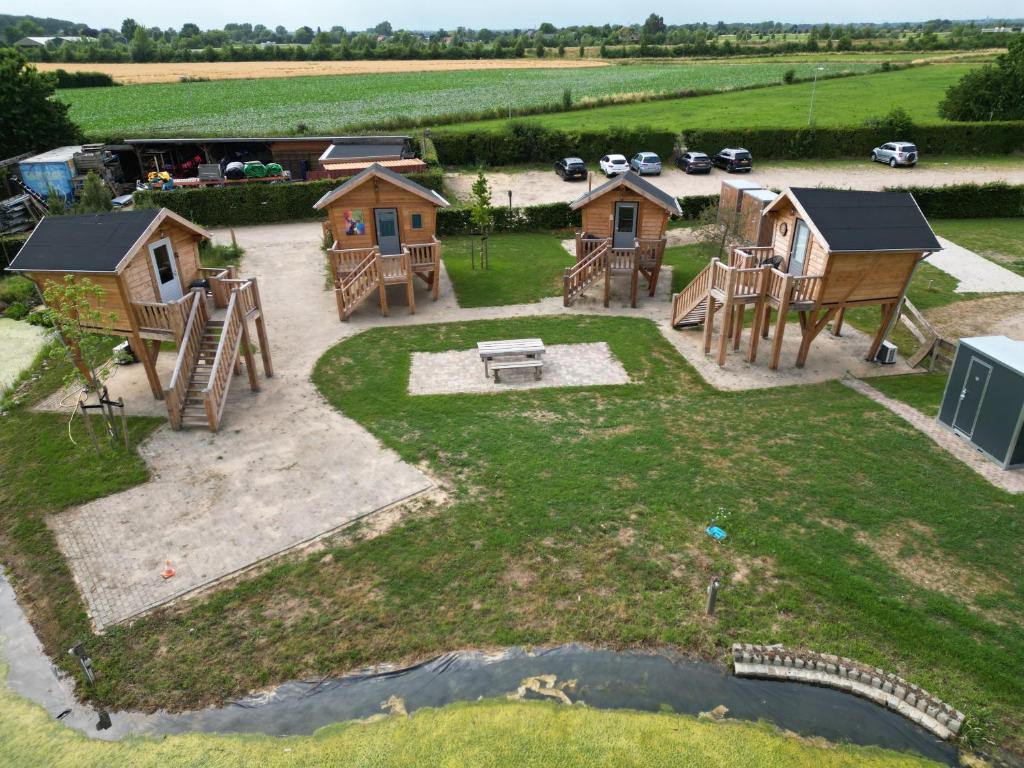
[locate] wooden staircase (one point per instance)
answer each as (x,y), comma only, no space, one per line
(690,305)
(587,271)
(210,351)
(358,285)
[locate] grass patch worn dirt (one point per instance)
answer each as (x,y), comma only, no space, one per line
(578,514)
(523,268)
(485,734)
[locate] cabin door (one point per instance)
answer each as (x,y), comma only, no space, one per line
(386,223)
(798,252)
(166,270)
(971,395)
(625,225)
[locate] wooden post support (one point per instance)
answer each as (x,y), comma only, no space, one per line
(759,307)
(381,287)
(410,289)
(728,316)
(812,328)
(709,314)
(737,333)
(634,277)
(607,259)
(88,426)
(837,324)
(250,359)
(147,356)
(780,322)
(888,310)
(435,284)
(124,424)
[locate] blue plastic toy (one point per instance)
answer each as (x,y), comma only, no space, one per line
(715,532)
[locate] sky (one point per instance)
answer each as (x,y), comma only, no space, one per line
(524,14)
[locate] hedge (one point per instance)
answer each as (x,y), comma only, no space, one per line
(67,79)
(242,204)
(996,138)
(533,143)
(969,201)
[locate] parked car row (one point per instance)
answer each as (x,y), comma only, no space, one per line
(730,159)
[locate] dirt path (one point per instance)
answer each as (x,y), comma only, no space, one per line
(999,315)
(537,187)
(171,72)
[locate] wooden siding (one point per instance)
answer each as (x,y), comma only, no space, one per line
(111,303)
(816,261)
(380,193)
(753,227)
(598,213)
(866,277)
(140,277)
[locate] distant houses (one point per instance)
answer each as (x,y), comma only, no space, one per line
(42,42)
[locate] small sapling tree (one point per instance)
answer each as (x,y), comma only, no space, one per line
(481,215)
(95,196)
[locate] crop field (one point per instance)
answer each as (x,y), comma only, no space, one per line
(846,101)
(331,104)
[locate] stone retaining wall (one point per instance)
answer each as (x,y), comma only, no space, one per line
(780,663)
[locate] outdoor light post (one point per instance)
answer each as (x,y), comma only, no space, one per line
(814,87)
(510,201)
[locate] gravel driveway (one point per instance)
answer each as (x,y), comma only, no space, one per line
(535,187)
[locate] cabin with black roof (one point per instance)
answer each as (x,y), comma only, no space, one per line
(155,290)
(622,233)
(383,231)
(830,249)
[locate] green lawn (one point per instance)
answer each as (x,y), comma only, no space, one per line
(1001,240)
(523,268)
(687,261)
(326,105)
(485,734)
(921,390)
(846,101)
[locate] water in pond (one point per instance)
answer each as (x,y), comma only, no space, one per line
(603,679)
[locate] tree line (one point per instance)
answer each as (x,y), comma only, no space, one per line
(248,42)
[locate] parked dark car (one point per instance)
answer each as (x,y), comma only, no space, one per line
(733,160)
(571,168)
(694,162)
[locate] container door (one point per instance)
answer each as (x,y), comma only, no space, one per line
(797,254)
(166,270)
(625,225)
(386,221)
(971,396)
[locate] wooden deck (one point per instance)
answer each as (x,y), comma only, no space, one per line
(597,259)
(358,272)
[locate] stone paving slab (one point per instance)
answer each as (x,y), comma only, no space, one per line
(565,365)
(1011,481)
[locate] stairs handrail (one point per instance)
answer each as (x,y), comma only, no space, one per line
(188,355)
(687,299)
(215,392)
(577,277)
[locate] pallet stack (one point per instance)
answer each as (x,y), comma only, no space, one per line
(19,214)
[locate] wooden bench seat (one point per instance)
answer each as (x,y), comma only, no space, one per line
(536,365)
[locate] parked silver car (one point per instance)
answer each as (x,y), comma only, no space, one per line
(645,163)
(896,153)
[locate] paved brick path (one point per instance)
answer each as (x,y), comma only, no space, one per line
(1011,481)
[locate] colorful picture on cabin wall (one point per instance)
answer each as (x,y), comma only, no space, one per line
(354,224)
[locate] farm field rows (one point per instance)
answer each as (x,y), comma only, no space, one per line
(846,101)
(331,104)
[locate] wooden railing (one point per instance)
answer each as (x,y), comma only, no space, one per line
(216,391)
(358,285)
(719,275)
(750,256)
(248,293)
(792,289)
(394,268)
(805,289)
(587,245)
(216,277)
(651,251)
(188,355)
(579,277)
(424,254)
(163,318)
(748,281)
(345,261)
(622,259)
(688,299)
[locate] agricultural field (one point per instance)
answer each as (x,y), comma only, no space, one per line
(846,101)
(332,104)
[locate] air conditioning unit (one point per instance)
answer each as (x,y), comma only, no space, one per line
(886,353)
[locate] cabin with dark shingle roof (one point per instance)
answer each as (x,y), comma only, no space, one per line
(830,249)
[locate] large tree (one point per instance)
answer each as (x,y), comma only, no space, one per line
(990,92)
(30,119)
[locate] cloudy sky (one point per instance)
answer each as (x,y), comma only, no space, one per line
(522,14)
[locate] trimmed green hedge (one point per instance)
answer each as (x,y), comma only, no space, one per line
(857,142)
(67,79)
(242,204)
(969,201)
(525,142)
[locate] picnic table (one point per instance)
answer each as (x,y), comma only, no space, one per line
(498,354)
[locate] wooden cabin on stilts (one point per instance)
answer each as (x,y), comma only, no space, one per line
(622,233)
(155,291)
(830,250)
(383,229)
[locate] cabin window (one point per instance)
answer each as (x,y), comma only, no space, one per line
(417,221)
(798,249)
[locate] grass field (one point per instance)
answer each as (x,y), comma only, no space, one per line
(1001,240)
(523,268)
(486,734)
(331,104)
(846,101)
